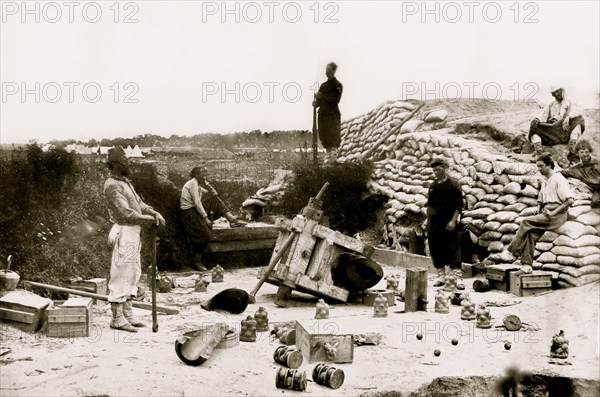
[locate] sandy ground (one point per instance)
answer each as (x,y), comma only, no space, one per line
(114,363)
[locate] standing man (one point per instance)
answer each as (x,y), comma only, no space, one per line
(129,214)
(327,100)
(444,205)
(554,200)
(561,122)
(199,207)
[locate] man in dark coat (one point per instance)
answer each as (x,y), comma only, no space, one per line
(444,205)
(327,100)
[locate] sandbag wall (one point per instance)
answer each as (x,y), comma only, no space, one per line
(499,193)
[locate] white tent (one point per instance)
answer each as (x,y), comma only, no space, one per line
(136,152)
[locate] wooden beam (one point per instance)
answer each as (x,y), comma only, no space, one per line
(248,245)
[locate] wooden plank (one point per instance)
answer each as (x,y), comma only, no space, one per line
(415,291)
(67,318)
(322,255)
(68,330)
(244,233)
(321,287)
(301,251)
(402,259)
(310,341)
(16,315)
(536,283)
(240,245)
(343,240)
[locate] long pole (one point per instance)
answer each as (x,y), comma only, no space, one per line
(284,247)
(315,132)
(154,317)
(389,133)
(139,305)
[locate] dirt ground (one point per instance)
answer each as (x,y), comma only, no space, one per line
(116,363)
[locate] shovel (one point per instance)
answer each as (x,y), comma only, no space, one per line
(153,276)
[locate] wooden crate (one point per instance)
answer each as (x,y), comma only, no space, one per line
(530,284)
(311,336)
(499,276)
(94,285)
(24,310)
(71,319)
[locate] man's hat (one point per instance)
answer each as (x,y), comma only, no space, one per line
(232,300)
(438,161)
(555,87)
(115,154)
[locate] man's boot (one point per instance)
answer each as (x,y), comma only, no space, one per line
(459,280)
(119,321)
(441,277)
(128,314)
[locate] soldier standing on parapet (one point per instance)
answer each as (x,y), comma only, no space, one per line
(327,100)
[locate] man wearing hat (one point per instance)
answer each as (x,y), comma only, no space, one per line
(561,123)
(444,205)
(327,100)
(199,207)
(129,214)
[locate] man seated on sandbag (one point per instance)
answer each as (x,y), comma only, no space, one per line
(199,208)
(555,198)
(587,170)
(561,123)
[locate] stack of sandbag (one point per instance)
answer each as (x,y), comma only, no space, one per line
(359,134)
(573,250)
(499,194)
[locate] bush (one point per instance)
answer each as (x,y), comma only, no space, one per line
(346,202)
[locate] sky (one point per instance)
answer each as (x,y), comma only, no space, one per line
(106,69)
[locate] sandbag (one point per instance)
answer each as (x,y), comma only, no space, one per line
(574,230)
(507,199)
(411,126)
(547,257)
(562,250)
(528,211)
(511,188)
(490,198)
(495,246)
(591,218)
(578,262)
(578,281)
(436,116)
(528,201)
(543,247)
(490,236)
(479,213)
(576,212)
(508,228)
(529,191)
(503,216)
(516,207)
(507,238)
(492,225)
